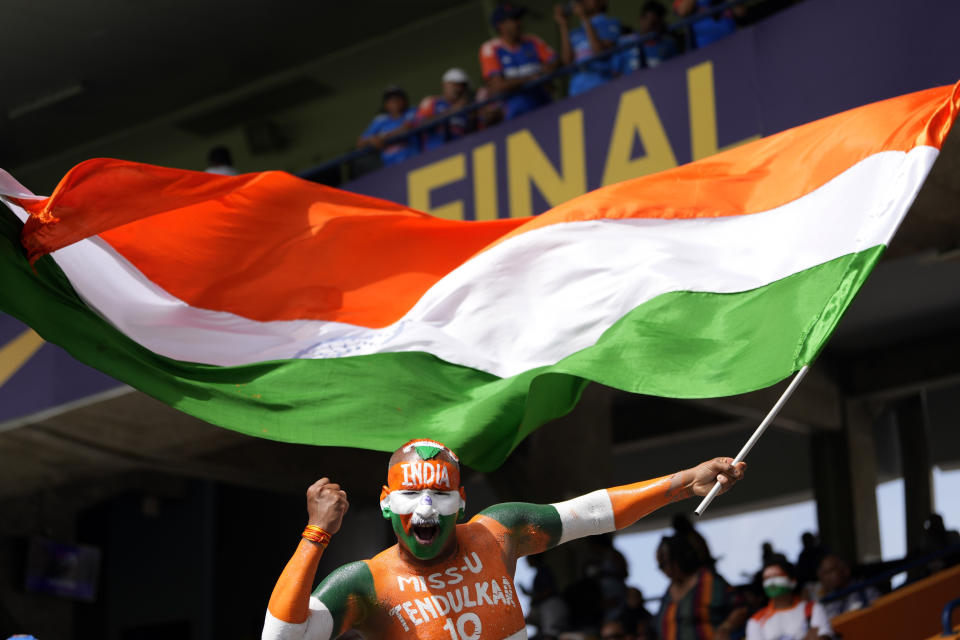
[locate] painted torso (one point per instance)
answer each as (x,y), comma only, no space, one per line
(467,597)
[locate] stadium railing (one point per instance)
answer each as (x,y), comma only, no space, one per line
(339,167)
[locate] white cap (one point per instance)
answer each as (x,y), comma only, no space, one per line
(456,74)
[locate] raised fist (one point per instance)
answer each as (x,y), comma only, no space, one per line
(326,504)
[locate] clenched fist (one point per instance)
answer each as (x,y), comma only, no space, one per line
(326,504)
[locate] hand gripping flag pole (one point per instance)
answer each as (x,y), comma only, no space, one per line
(756,436)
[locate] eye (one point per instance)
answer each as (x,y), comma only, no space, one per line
(409,493)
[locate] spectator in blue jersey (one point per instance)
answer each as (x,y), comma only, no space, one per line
(455,96)
(395,117)
(513,59)
(711,27)
(597,33)
(654,43)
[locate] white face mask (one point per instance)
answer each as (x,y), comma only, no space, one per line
(426,503)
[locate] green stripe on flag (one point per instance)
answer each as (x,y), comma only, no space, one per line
(682,344)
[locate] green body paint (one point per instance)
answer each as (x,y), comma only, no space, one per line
(409,541)
(427,452)
(349,594)
(533,527)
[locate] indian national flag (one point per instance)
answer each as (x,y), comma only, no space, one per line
(288,310)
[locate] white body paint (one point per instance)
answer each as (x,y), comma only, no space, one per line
(445,503)
(319,626)
(586,515)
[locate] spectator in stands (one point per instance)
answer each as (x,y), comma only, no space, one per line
(834,575)
(220,161)
(597,33)
(684,528)
(513,59)
(395,117)
(787,616)
(548,611)
(711,27)
(609,568)
(455,96)
(616,630)
(697,600)
(767,552)
(935,539)
(489,114)
(809,558)
(636,617)
(654,43)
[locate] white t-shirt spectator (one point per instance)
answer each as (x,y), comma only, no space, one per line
(789,624)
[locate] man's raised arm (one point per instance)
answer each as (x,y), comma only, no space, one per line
(534,528)
(292,613)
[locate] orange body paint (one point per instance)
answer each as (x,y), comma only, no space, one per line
(633,501)
(291,595)
(467,595)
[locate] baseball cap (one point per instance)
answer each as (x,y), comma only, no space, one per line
(505,11)
(455,74)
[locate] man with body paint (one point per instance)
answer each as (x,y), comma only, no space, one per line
(443,580)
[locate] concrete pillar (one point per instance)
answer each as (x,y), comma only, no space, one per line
(862,457)
(844,471)
(915,463)
(831,482)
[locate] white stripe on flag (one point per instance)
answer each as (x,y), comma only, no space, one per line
(539,296)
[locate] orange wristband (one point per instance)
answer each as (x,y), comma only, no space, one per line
(313,533)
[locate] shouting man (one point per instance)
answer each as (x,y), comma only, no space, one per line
(443,580)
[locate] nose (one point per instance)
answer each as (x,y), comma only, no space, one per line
(427,499)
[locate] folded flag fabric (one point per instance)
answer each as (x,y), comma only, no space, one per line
(288,310)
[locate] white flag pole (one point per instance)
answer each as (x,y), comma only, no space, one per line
(707,499)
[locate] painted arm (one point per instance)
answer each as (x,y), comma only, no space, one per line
(292,612)
(535,528)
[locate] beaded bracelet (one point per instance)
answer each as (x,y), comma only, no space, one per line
(313,533)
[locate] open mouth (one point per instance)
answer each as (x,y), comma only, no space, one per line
(425,533)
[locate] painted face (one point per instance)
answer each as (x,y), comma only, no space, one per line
(423,501)
(776,582)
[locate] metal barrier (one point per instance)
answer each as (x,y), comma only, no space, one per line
(904,565)
(337,167)
(946,619)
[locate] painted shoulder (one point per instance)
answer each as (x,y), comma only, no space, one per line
(344,587)
(524,518)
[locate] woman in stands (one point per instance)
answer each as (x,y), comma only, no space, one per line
(787,616)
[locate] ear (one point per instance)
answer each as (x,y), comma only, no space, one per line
(463,505)
(385,502)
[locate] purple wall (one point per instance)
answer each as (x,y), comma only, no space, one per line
(48,379)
